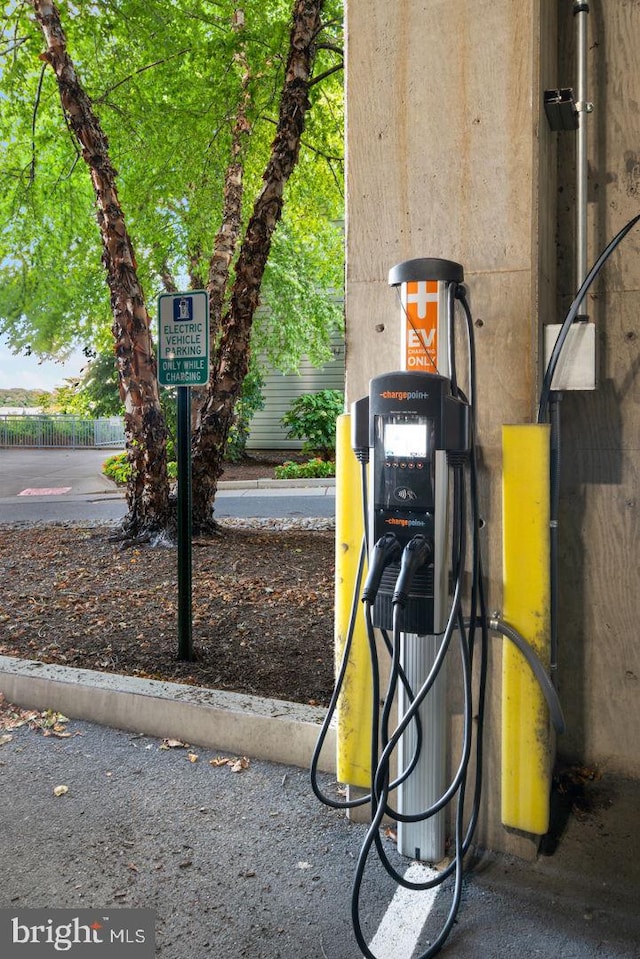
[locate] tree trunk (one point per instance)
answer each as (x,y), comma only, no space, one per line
(148,490)
(226,240)
(232,357)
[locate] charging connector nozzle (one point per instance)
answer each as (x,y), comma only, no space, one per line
(387,550)
(418,552)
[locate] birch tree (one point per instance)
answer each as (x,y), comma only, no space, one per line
(182,99)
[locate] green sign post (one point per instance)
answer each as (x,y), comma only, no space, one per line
(183,362)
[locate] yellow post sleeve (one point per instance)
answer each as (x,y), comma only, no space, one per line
(354,705)
(526,735)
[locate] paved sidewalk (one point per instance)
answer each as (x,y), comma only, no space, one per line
(68,486)
(248,863)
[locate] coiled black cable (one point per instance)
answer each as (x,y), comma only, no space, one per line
(380,783)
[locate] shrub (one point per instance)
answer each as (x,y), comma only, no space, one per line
(312,418)
(117,468)
(313,469)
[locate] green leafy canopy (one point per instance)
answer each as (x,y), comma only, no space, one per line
(165,79)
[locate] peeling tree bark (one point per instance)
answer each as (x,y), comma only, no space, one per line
(226,240)
(227,236)
(231,361)
(148,491)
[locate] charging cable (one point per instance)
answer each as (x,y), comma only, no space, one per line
(472,633)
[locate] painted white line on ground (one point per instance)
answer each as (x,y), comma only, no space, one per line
(45,491)
(404,920)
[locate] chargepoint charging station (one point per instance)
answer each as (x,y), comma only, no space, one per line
(422,599)
(417,423)
(409,589)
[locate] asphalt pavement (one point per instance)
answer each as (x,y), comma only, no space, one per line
(68,486)
(249,863)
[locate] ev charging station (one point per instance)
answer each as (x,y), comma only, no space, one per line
(415,422)
(414,436)
(423,594)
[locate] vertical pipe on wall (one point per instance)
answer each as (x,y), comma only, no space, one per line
(581,14)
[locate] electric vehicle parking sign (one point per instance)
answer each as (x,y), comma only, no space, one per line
(183,338)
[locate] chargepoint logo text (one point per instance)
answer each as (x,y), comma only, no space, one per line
(404,395)
(36,932)
(406,523)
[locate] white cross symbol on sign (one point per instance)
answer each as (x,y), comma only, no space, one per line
(421,297)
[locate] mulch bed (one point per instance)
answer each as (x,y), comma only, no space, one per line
(262,607)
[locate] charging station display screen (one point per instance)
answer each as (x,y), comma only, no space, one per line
(406,440)
(404,462)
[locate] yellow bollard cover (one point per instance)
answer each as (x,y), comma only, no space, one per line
(354,706)
(526,735)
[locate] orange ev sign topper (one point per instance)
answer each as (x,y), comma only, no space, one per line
(420,302)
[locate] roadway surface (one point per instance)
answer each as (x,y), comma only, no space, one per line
(251,864)
(68,486)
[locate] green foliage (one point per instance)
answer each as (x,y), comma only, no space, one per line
(312,418)
(312,469)
(95,393)
(302,292)
(20,398)
(165,81)
(251,400)
(117,468)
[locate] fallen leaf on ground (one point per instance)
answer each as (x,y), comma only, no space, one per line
(5,739)
(192,757)
(172,744)
(60,790)
(235,764)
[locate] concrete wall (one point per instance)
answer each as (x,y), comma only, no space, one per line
(449,155)
(600,507)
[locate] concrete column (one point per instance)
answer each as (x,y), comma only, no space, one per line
(449,155)
(599,652)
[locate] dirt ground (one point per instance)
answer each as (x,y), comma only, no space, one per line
(262,605)
(259,464)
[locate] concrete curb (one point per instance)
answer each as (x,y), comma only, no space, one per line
(269,729)
(327,483)
(277,484)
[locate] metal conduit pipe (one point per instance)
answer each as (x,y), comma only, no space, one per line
(581,13)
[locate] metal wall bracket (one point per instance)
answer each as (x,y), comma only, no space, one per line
(561,109)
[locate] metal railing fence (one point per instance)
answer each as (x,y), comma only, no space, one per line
(41,430)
